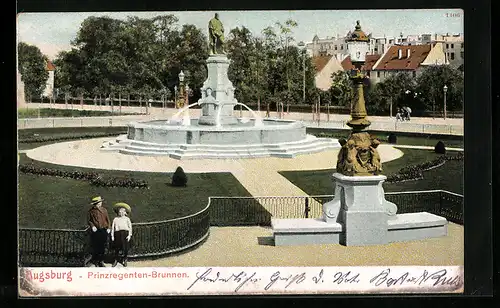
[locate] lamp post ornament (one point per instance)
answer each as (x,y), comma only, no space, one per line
(358,155)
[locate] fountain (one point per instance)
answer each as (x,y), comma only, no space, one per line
(218,133)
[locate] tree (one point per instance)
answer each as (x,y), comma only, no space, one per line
(430,85)
(341,91)
(32,66)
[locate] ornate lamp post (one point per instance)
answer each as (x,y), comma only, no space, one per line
(358,155)
(175,96)
(180,103)
(359,204)
(445,89)
(302,48)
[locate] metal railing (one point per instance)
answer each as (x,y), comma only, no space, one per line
(49,247)
(251,211)
(258,211)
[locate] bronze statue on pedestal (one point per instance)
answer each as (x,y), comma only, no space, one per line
(216,36)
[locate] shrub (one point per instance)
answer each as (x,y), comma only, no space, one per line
(440,148)
(392,138)
(179,178)
(68,137)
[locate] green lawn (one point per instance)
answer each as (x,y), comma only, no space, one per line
(52,202)
(447,177)
(402,138)
(53,113)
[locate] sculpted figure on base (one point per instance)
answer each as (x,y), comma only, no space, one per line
(359,155)
(216,36)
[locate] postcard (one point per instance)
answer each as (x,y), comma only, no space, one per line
(240,152)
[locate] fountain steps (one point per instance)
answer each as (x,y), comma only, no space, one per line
(206,151)
(138,143)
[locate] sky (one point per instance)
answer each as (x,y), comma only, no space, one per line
(53,32)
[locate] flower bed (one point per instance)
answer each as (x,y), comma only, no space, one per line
(93,177)
(415,172)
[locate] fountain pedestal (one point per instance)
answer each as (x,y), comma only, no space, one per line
(220,110)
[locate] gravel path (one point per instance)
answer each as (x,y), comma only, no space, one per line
(258,175)
(253,246)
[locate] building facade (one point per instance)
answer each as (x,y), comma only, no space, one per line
(406,58)
(49,86)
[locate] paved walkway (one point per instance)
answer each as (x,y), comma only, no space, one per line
(333,121)
(259,176)
(253,246)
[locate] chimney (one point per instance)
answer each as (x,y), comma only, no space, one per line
(400,53)
(408,53)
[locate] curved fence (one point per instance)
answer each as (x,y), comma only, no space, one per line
(48,247)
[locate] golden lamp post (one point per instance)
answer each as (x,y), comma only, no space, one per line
(358,155)
(180,102)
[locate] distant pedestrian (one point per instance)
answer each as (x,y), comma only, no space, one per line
(399,116)
(408,113)
(121,233)
(98,220)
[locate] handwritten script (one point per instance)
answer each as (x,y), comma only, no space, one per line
(311,279)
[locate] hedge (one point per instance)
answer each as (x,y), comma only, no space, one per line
(68,137)
(93,177)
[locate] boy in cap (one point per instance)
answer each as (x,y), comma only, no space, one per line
(121,232)
(98,220)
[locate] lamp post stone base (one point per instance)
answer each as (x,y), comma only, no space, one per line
(360,206)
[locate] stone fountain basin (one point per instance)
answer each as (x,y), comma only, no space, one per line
(244,132)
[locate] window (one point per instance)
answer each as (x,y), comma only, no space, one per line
(378,74)
(376,49)
(462,54)
(462,45)
(452,56)
(447,46)
(336,47)
(341,47)
(452,46)
(390,41)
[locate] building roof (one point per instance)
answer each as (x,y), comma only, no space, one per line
(358,34)
(391,61)
(50,66)
(319,62)
(369,62)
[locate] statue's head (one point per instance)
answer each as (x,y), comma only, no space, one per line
(217,15)
(208,91)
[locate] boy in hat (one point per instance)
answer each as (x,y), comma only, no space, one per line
(98,220)
(121,232)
